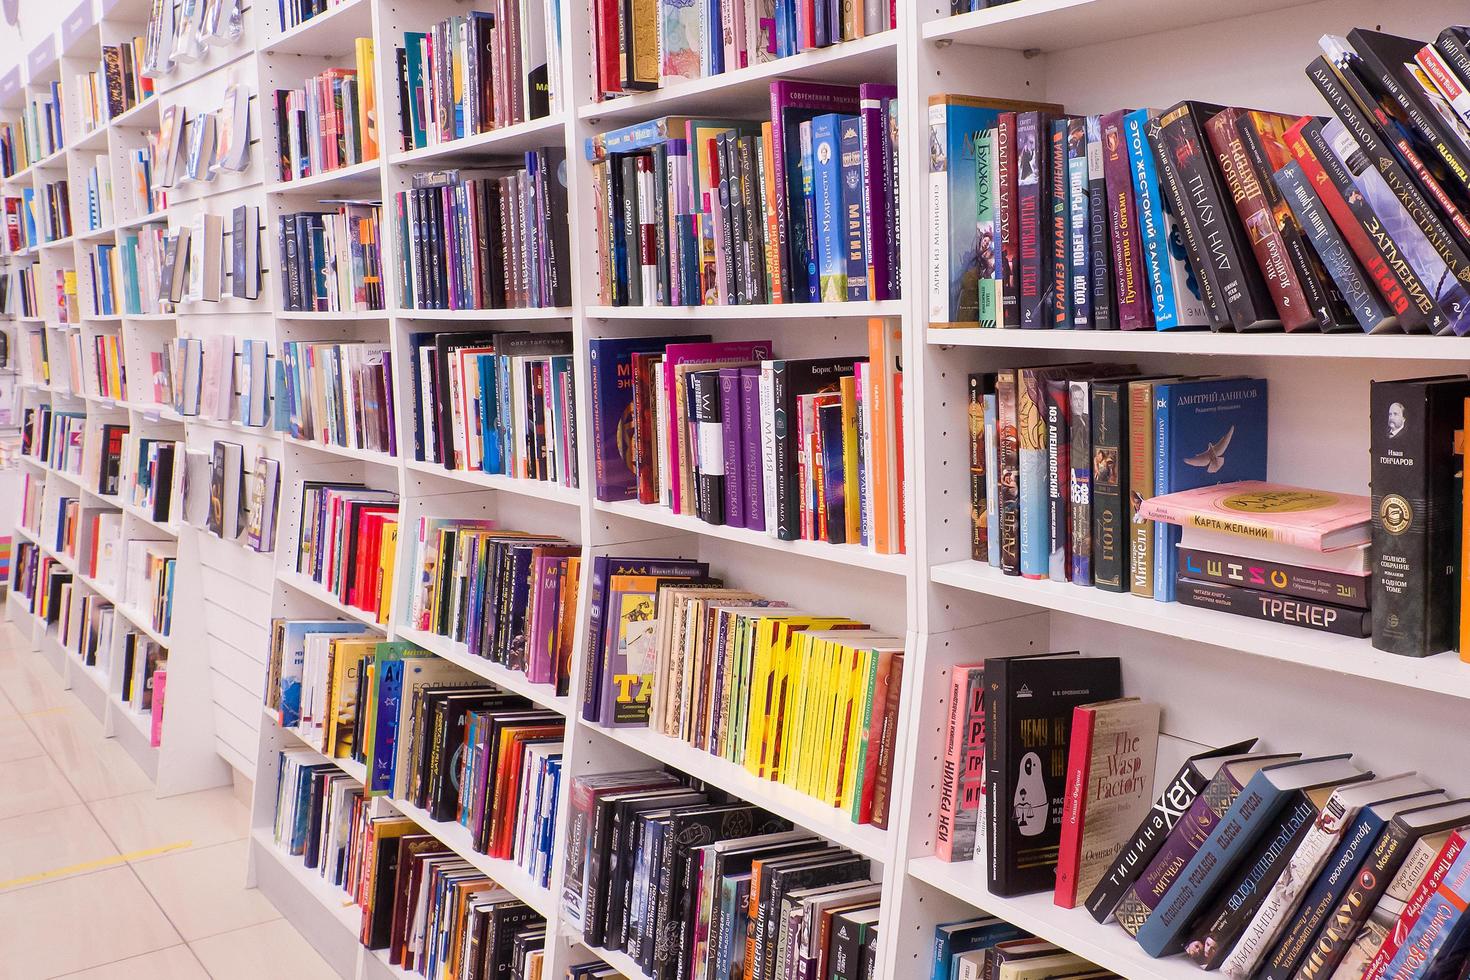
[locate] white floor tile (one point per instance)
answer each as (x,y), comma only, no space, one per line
(49,845)
(32,785)
(174,963)
(270,950)
(203,892)
(142,821)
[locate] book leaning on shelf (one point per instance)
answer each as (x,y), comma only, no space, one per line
(478,72)
(800,207)
(1206,215)
(797,448)
(88,631)
(653,45)
(343,531)
(810,702)
(329,122)
(492,239)
(509,596)
(331,261)
(421,904)
(337,394)
(970,949)
(496,402)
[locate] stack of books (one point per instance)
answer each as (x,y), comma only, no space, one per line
(810,702)
(797,448)
(329,122)
(798,208)
(1274,552)
(486,240)
(496,402)
(116,85)
(504,79)
(332,261)
(338,394)
(650,856)
(342,533)
(968,949)
(509,596)
(1050,221)
(108,379)
(649,46)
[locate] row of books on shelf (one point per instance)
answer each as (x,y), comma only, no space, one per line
(52,436)
(509,596)
(486,239)
(116,85)
(479,71)
(1259,864)
(427,909)
(99,213)
(14,148)
(18,294)
(187,34)
(989,947)
(345,544)
(41,129)
(1203,215)
(808,701)
(799,448)
(653,45)
(802,207)
(61,516)
(331,121)
(86,629)
(332,261)
(338,394)
(496,402)
(654,856)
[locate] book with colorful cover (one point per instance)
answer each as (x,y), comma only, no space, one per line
(1256,510)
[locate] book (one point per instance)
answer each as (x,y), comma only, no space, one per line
(962,777)
(1025,761)
(1109,788)
(1273,513)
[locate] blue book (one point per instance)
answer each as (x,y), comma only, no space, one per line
(611,367)
(1442,915)
(806,246)
(492,455)
(827,203)
(855,233)
(1254,811)
(293,659)
(1207,432)
(954,938)
(413,42)
(1078,231)
(1172,287)
(955,127)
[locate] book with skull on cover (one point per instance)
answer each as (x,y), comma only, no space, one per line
(1028,720)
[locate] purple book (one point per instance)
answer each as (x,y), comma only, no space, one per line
(752,467)
(871,96)
(1034,248)
(715,354)
(730,435)
(611,371)
(547,570)
(1128,278)
(791,103)
(388,406)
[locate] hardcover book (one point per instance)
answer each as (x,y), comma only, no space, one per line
(1028,720)
(1254,510)
(1275,608)
(1171,286)
(963,776)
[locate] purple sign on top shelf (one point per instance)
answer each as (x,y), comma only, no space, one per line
(10,85)
(77,23)
(42,56)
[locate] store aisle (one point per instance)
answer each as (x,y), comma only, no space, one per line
(100,879)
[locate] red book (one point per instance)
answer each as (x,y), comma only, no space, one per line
(1084,720)
(1405,925)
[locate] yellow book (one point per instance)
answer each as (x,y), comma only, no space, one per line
(760,696)
(822,737)
(367,98)
(346,659)
(818,711)
(852,511)
(864,675)
(387,561)
(842,731)
(800,658)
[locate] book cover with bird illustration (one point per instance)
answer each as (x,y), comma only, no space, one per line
(1207,432)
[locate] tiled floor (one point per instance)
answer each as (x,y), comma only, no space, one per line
(99,879)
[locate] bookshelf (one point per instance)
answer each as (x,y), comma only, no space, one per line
(1218,677)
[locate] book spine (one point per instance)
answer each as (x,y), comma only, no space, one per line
(1299,581)
(751,464)
(1110,520)
(1318,616)
(979,544)
(1123,225)
(730,437)
(998,826)
(1079,490)
(1141,478)
(1006,216)
(1033,246)
(949,773)
(1057,213)
(1412,473)
(786,441)
(1074,807)
(1008,473)
(1178,200)
(874,141)
(1058,480)
(856,230)
(941,308)
(1079,299)
(1035,531)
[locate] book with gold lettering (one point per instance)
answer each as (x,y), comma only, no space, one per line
(1254,510)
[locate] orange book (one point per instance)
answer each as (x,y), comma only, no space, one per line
(773,241)
(885,340)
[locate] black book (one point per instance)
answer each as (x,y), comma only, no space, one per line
(291,280)
(1215,932)
(1055,214)
(845,943)
(163,475)
(727,193)
(1415,547)
(554,227)
(1214,237)
(751,194)
(622,852)
(630,229)
(791,379)
(778,879)
(709,470)
(1168,808)
(1110,464)
(385,881)
(505,920)
(1389,67)
(1099,247)
(1028,724)
(1423,313)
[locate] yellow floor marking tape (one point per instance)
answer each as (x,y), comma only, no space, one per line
(72,869)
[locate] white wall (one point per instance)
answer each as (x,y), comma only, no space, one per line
(38,18)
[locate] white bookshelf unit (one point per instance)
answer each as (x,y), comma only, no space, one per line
(1218,677)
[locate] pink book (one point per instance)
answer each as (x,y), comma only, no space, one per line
(547,576)
(160,683)
(716,354)
(1254,510)
(957,821)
